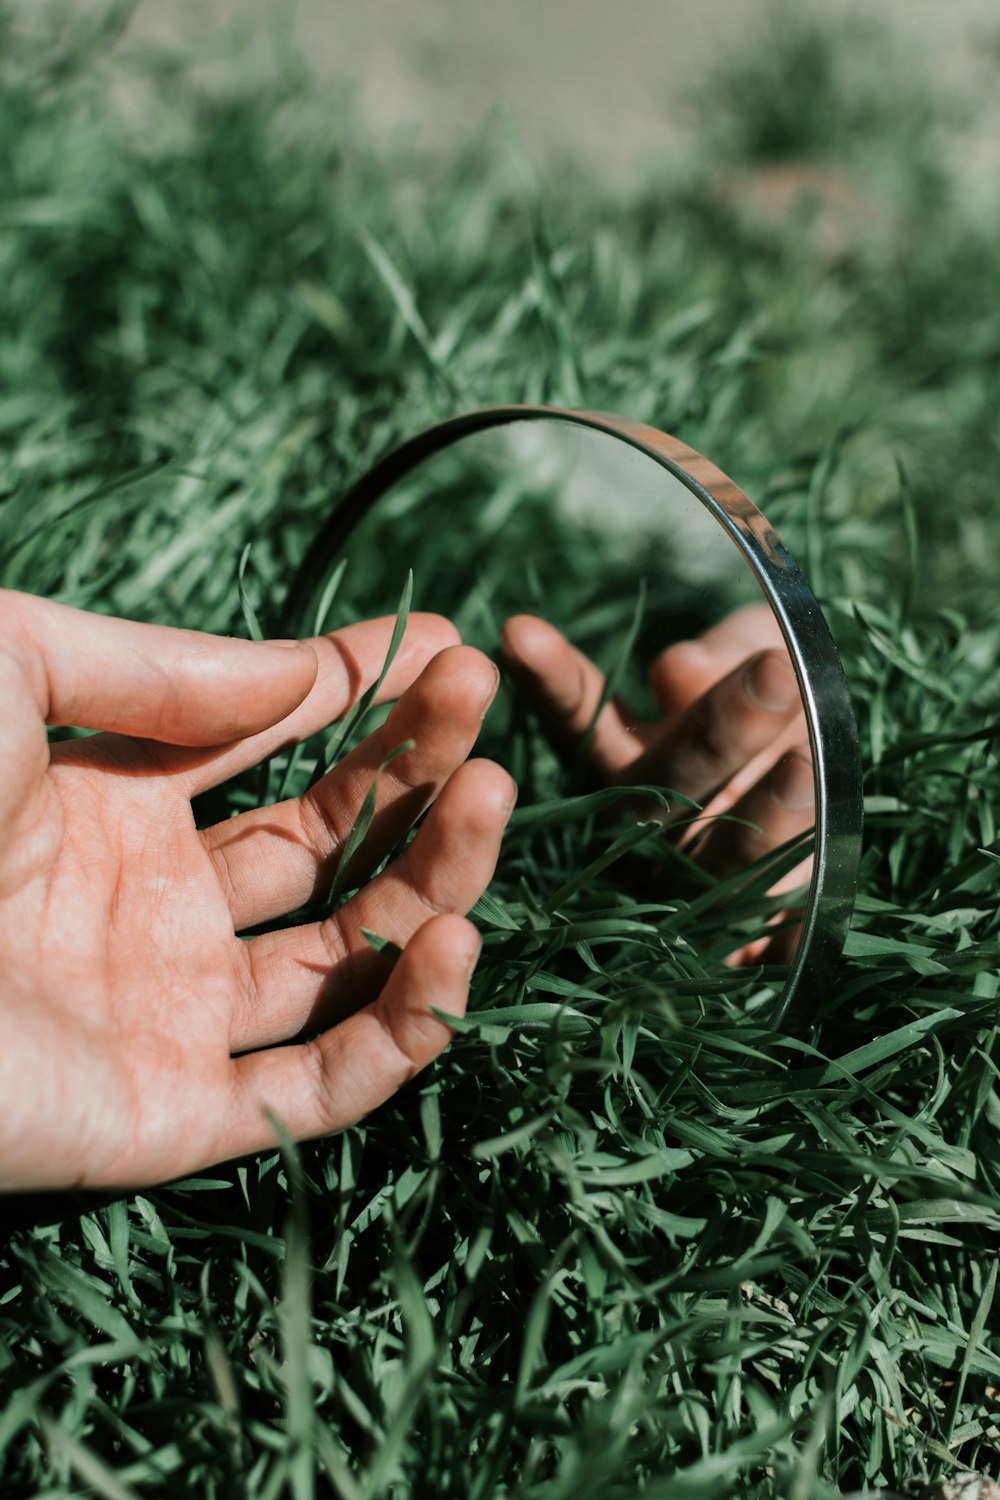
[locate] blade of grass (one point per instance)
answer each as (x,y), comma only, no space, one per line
(346,727)
(360,827)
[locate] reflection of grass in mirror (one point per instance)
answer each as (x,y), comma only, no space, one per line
(485,541)
(571,579)
(608,1245)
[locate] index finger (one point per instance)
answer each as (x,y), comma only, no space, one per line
(565,688)
(686,670)
(350,660)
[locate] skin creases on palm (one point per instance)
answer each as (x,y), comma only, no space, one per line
(139,1027)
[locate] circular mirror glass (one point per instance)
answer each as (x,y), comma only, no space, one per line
(672,707)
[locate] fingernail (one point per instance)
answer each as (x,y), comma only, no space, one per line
(491,692)
(285,645)
(693,654)
(770,683)
(792,783)
(474,946)
(511,800)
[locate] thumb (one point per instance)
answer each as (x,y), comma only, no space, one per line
(181,687)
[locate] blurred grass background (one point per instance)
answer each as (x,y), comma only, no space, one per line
(623,1239)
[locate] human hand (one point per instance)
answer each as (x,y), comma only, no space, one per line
(138,1030)
(732,735)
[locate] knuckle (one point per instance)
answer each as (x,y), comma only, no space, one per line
(709,737)
(431,886)
(335,941)
(12,679)
(579,704)
(324,816)
(400,1063)
(12,611)
(223,871)
(329,1083)
(22,668)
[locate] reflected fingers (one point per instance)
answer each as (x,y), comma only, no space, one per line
(564,688)
(734,697)
(735,721)
(779,807)
(687,669)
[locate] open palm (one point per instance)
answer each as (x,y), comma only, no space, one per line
(139,1029)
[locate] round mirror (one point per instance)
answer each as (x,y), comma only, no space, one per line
(670,682)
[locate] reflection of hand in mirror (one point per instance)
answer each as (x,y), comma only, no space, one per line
(731,737)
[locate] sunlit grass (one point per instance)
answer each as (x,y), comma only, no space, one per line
(624,1238)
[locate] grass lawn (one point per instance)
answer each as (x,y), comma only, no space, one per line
(624,1238)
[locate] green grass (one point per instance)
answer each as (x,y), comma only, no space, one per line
(624,1238)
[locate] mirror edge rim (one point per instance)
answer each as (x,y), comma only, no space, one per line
(829,713)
